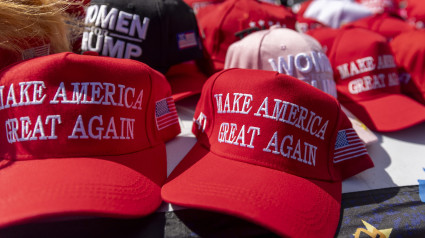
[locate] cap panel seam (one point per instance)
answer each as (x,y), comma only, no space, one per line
(332,139)
(150,97)
(260,44)
(216,44)
(212,102)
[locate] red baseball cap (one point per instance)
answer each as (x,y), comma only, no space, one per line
(83,135)
(225,23)
(267,153)
(368,84)
(409,55)
(186,79)
(386,24)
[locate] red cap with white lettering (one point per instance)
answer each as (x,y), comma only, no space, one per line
(268,153)
(82,135)
(368,83)
(230,21)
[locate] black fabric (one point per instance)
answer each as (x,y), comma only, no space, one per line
(398,208)
(169,38)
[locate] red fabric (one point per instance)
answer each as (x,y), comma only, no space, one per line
(219,24)
(288,205)
(78,9)
(325,36)
(306,24)
(250,170)
(380,6)
(388,25)
(302,8)
(185,79)
(81,152)
(368,84)
(409,54)
(196,5)
(415,13)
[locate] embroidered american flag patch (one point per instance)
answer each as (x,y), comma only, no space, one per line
(165,113)
(186,40)
(36,52)
(348,146)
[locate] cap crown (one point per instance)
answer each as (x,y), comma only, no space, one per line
(158,33)
(268,121)
(68,105)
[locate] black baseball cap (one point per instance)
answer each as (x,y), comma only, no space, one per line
(160,33)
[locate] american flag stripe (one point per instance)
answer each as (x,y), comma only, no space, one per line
(164,121)
(166,113)
(187,40)
(348,146)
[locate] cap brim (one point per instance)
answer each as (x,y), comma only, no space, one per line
(186,80)
(286,204)
(389,113)
(64,187)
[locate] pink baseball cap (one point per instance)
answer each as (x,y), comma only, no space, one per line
(296,54)
(267,153)
(368,83)
(409,55)
(230,21)
(285,51)
(82,135)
